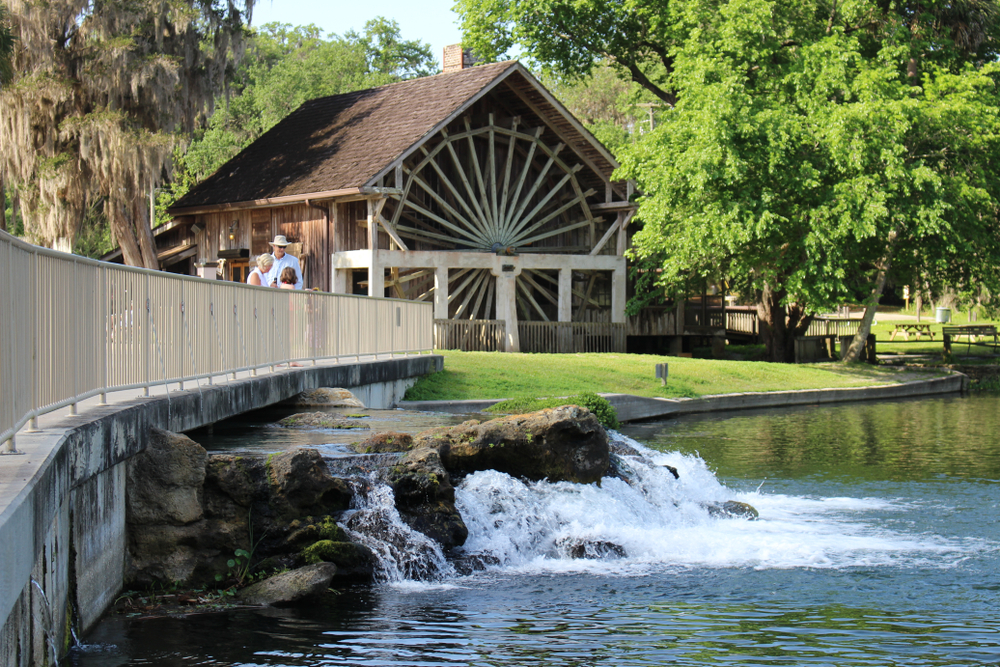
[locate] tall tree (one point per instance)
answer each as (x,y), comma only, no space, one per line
(102,93)
(6,75)
(813,146)
(288,66)
(573,36)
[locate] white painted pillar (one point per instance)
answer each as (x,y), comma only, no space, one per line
(376,276)
(376,272)
(565,295)
(441,293)
(507,307)
(564,333)
(341,282)
(618,294)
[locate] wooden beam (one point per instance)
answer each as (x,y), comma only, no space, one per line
(534,188)
(606,237)
(509,220)
(555,232)
(474,157)
(527,293)
(392,233)
(623,233)
(465,181)
(581,197)
(544,200)
(476,218)
(482,233)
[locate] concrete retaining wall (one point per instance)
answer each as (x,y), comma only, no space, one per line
(62,533)
(638,408)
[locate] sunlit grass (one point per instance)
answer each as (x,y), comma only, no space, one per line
(484,375)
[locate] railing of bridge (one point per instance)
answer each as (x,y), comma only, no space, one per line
(72,328)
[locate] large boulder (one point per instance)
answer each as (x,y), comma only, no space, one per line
(189,513)
(327,397)
(301,485)
(425,497)
(559,444)
(385,442)
(290,587)
(165,480)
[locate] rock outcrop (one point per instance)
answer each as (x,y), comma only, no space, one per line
(425,497)
(189,513)
(327,397)
(320,420)
(385,442)
(292,587)
(565,444)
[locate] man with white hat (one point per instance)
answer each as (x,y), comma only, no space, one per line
(281,260)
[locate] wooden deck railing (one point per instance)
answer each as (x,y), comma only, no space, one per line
(73,328)
(469,335)
(572,337)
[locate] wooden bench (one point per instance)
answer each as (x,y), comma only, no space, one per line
(973,333)
(914,328)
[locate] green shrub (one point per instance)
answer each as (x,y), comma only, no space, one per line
(598,405)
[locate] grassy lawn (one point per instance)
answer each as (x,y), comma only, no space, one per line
(886,323)
(483,375)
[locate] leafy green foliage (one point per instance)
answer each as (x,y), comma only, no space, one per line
(571,37)
(812,147)
(606,413)
(290,66)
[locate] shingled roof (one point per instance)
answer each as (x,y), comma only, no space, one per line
(344,141)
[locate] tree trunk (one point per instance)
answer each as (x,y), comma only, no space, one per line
(871,304)
(780,324)
(145,233)
(121,228)
(3,205)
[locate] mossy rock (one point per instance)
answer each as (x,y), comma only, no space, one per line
(352,560)
(305,531)
(384,443)
(320,420)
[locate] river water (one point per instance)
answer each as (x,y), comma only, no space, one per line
(877,544)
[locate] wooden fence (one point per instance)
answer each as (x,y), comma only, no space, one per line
(546,337)
(469,335)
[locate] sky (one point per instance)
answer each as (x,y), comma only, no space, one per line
(431,21)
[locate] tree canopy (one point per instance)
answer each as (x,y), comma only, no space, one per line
(812,147)
(287,66)
(101,93)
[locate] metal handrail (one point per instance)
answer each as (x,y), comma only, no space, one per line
(72,328)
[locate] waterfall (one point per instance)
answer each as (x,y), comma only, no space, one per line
(514,523)
(401,553)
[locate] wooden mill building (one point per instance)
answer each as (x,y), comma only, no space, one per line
(475,189)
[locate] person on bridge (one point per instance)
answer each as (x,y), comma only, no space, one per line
(288,278)
(259,275)
(281,260)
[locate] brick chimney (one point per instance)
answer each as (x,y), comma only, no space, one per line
(455,58)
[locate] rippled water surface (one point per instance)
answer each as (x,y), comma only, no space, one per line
(877,545)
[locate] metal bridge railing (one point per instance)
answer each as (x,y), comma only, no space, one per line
(72,328)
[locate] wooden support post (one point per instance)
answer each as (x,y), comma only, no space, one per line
(376,273)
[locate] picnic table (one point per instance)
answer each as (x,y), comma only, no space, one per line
(912,327)
(974,334)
